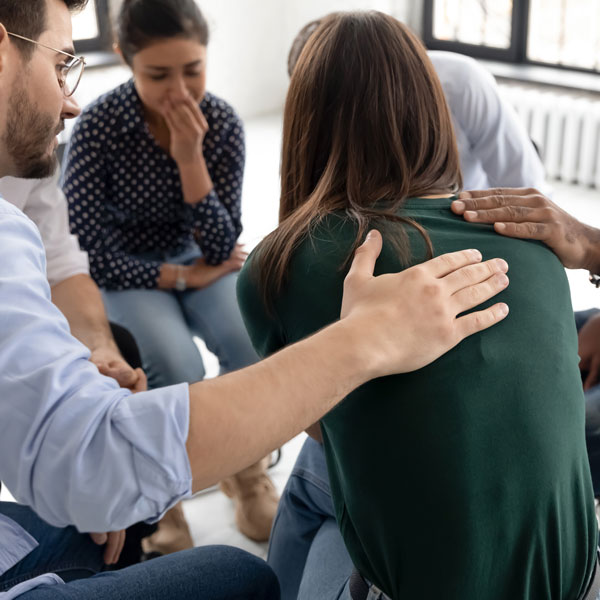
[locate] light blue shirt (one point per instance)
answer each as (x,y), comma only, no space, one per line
(73,445)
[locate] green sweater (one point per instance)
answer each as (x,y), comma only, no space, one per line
(467,479)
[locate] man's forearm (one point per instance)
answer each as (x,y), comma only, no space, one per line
(239,418)
(79,299)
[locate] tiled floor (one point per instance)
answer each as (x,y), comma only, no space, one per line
(210,514)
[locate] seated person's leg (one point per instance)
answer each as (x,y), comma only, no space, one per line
(155,320)
(64,551)
(207,573)
(328,566)
(305,507)
(592,434)
(214,315)
(127,345)
(592,413)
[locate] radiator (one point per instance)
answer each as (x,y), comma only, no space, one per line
(566,128)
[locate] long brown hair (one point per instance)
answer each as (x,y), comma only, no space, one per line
(365,126)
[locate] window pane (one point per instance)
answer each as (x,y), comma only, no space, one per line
(479,22)
(565,32)
(85,23)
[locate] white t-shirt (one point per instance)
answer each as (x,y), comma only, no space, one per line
(44,203)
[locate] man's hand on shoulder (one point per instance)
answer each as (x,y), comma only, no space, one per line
(110,363)
(527,213)
(407,320)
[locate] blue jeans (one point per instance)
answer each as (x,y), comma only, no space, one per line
(592,414)
(306,549)
(205,573)
(164,321)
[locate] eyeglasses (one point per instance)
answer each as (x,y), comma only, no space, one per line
(69,74)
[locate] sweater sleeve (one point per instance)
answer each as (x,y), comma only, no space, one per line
(93,219)
(264,329)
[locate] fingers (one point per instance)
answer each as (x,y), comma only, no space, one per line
(141,385)
(529,231)
(365,257)
(498,192)
(99,538)
(474,295)
(448,263)
(480,320)
(474,274)
(125,376)
(513,199)
(197,113)
(114,547)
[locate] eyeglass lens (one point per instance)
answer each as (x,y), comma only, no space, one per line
(73,77)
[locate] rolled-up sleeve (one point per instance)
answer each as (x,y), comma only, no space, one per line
(73,445)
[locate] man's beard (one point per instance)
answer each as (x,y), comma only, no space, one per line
(28,136)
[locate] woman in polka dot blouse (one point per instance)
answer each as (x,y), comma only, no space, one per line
(153,177)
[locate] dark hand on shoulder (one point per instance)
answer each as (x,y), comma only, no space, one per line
(528,214)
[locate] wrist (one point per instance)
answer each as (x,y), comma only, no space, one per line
(592,250)
(346,341)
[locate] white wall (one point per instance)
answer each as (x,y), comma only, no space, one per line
(250,40)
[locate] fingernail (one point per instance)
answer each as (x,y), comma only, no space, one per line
(504,309)
(502,279)
(470,214)
(500,226)
(502,264)
(476,254)
(458,205)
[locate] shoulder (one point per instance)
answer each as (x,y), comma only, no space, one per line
(9,211)
(19,238)
(460,74)
(17,191)
(109,114)
(220,114)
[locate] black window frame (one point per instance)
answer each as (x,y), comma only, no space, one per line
(103,41)
(516,53)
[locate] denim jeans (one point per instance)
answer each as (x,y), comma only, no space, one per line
(306,549)
(163,323)
(205,573)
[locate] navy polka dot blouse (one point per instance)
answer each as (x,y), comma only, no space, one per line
(125,196)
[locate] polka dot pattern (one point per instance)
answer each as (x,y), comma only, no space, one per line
(125,196)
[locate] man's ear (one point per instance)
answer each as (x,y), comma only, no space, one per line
(4,44)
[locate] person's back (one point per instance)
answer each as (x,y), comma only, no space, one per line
(470,476)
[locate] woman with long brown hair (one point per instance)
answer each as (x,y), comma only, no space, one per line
(469,478)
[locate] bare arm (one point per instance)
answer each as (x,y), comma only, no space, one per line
(527,213)
(79,299)
(390,324)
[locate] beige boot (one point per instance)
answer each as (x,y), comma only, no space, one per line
(255,498)
(173,533)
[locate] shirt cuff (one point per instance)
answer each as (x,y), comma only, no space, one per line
(157,423)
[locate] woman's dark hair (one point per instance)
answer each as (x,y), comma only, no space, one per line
(143,22)
(29,20)
(365,126)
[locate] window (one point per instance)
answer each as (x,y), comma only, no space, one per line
(563,33)
(91,27)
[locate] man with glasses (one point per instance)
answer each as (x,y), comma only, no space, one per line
(83,452)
